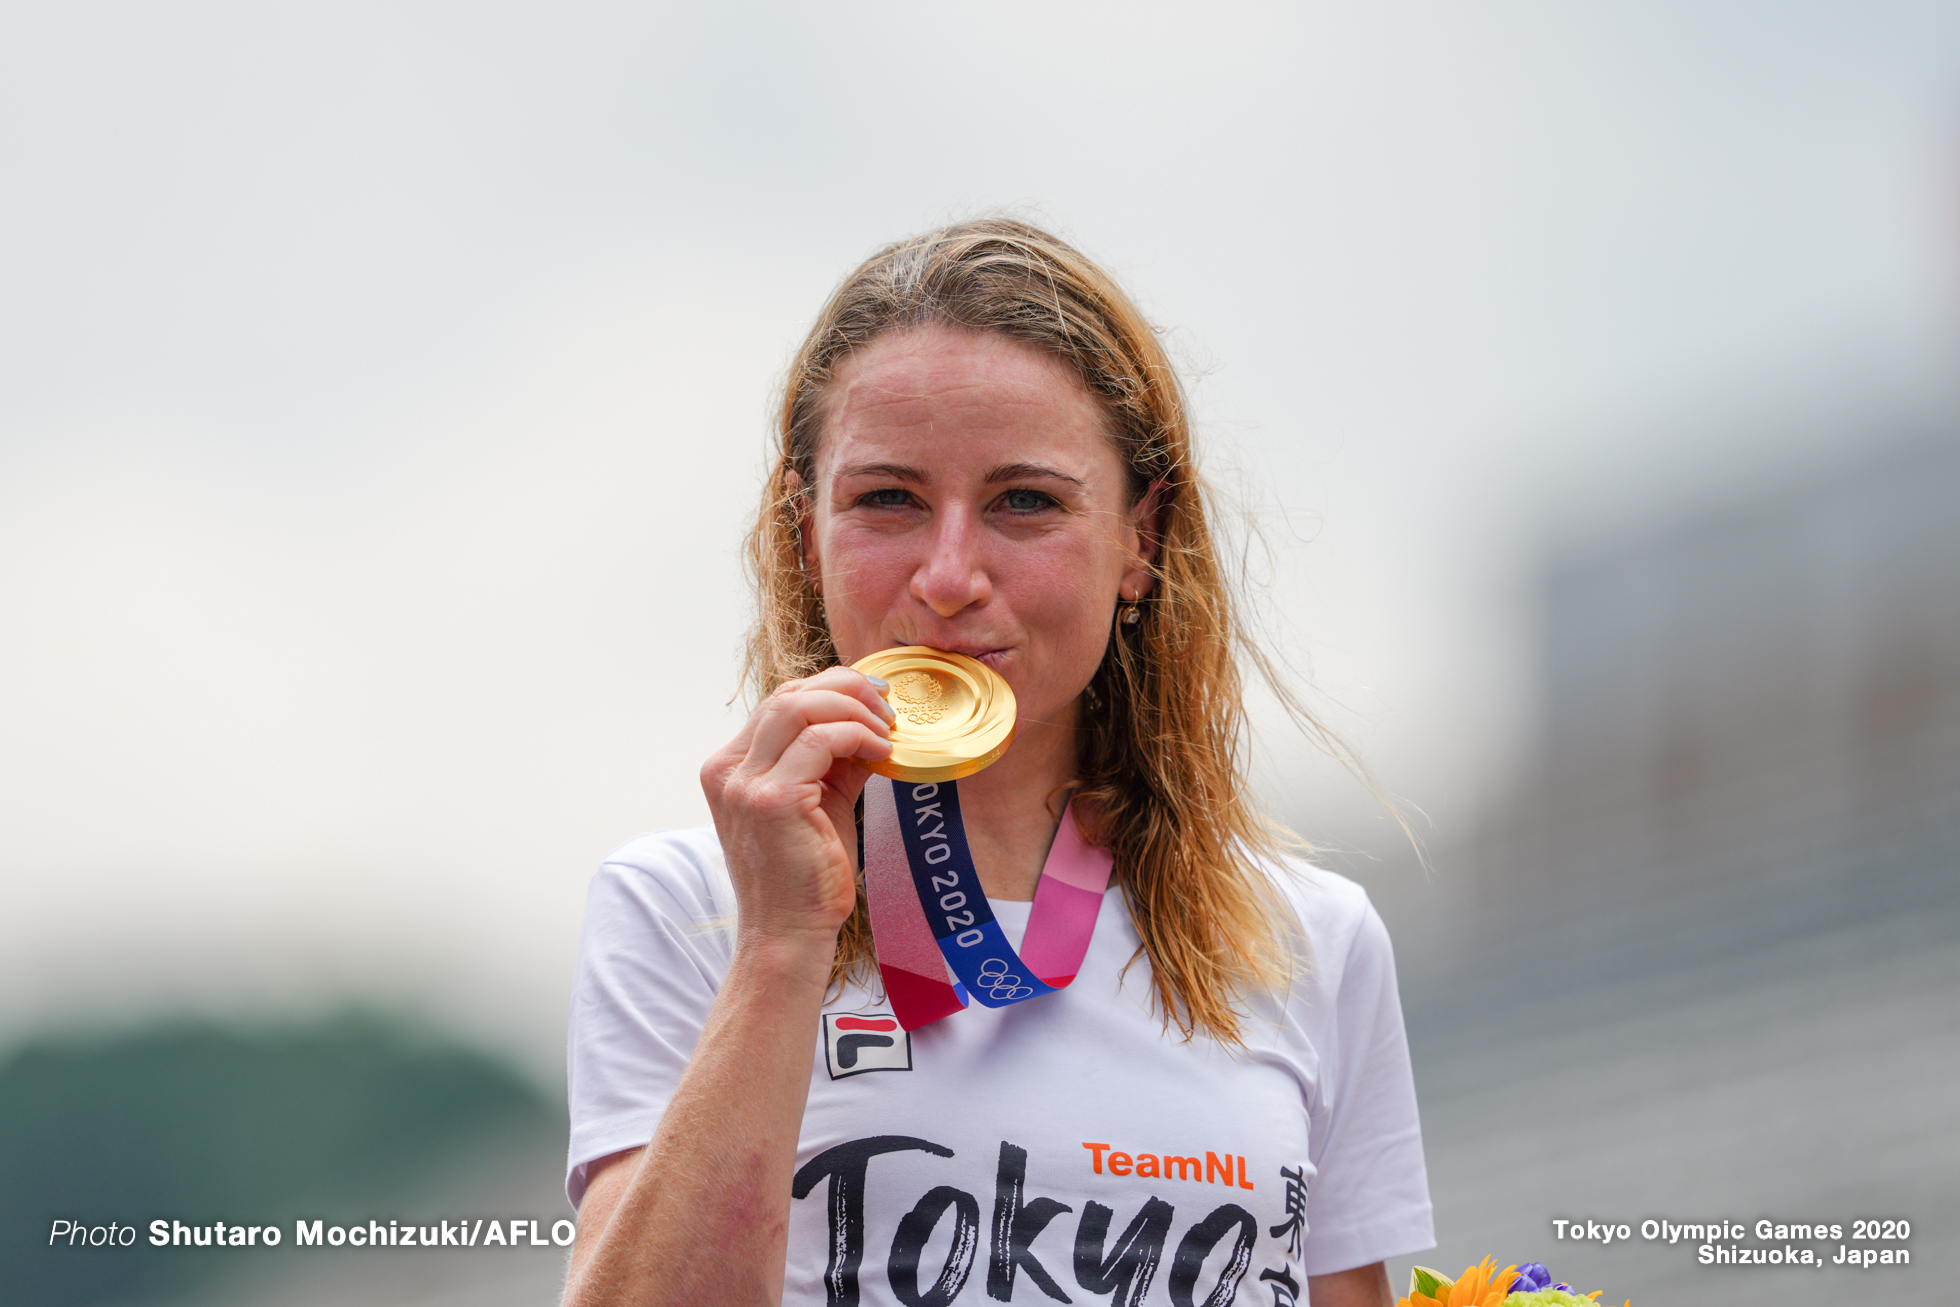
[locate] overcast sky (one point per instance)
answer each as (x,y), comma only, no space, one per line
(383,390)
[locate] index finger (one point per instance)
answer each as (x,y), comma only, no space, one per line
(833,695)
(869,690)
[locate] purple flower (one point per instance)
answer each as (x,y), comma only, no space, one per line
(1531,1276)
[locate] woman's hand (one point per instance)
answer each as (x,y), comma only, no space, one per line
(782,793)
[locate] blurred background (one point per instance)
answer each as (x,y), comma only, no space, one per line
(384,388)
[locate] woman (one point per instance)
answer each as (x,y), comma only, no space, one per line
(985,451)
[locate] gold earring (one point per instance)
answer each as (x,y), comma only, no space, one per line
(1132,614)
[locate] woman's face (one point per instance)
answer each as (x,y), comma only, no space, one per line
(968,498)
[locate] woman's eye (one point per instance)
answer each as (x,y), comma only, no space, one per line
(1026,501)
(889,497)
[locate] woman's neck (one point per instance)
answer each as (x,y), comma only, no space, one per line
(1012,809)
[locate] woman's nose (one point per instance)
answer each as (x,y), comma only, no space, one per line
(953,576)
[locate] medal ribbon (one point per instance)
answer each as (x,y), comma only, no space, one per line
(935,933)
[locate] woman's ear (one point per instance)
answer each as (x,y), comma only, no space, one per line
(1146,539)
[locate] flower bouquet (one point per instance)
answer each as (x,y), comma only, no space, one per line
(1529,1285)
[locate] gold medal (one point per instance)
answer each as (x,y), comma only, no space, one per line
(955,713)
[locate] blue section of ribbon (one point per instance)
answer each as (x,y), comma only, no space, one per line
(956,908)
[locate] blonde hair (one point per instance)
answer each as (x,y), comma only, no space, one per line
(1162,782)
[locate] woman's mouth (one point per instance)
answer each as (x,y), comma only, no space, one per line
(994,658)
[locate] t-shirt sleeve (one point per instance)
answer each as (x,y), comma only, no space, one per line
(1369,1199)
(654,949)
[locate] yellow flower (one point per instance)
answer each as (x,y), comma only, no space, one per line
(1476,1287)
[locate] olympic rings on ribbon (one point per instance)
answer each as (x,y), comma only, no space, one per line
(1002,985)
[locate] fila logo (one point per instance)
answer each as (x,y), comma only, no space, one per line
(873,1041)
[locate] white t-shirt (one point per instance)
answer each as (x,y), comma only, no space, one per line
(1062,1149)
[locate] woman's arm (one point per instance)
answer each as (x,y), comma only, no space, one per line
(700,1216)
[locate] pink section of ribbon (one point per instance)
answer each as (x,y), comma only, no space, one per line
(1074,863)
(898,923)
(1065,905)
(1067,915)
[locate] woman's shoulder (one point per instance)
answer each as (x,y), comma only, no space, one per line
(1326,904)
(1337,939)
(1340,966)
(674,874)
